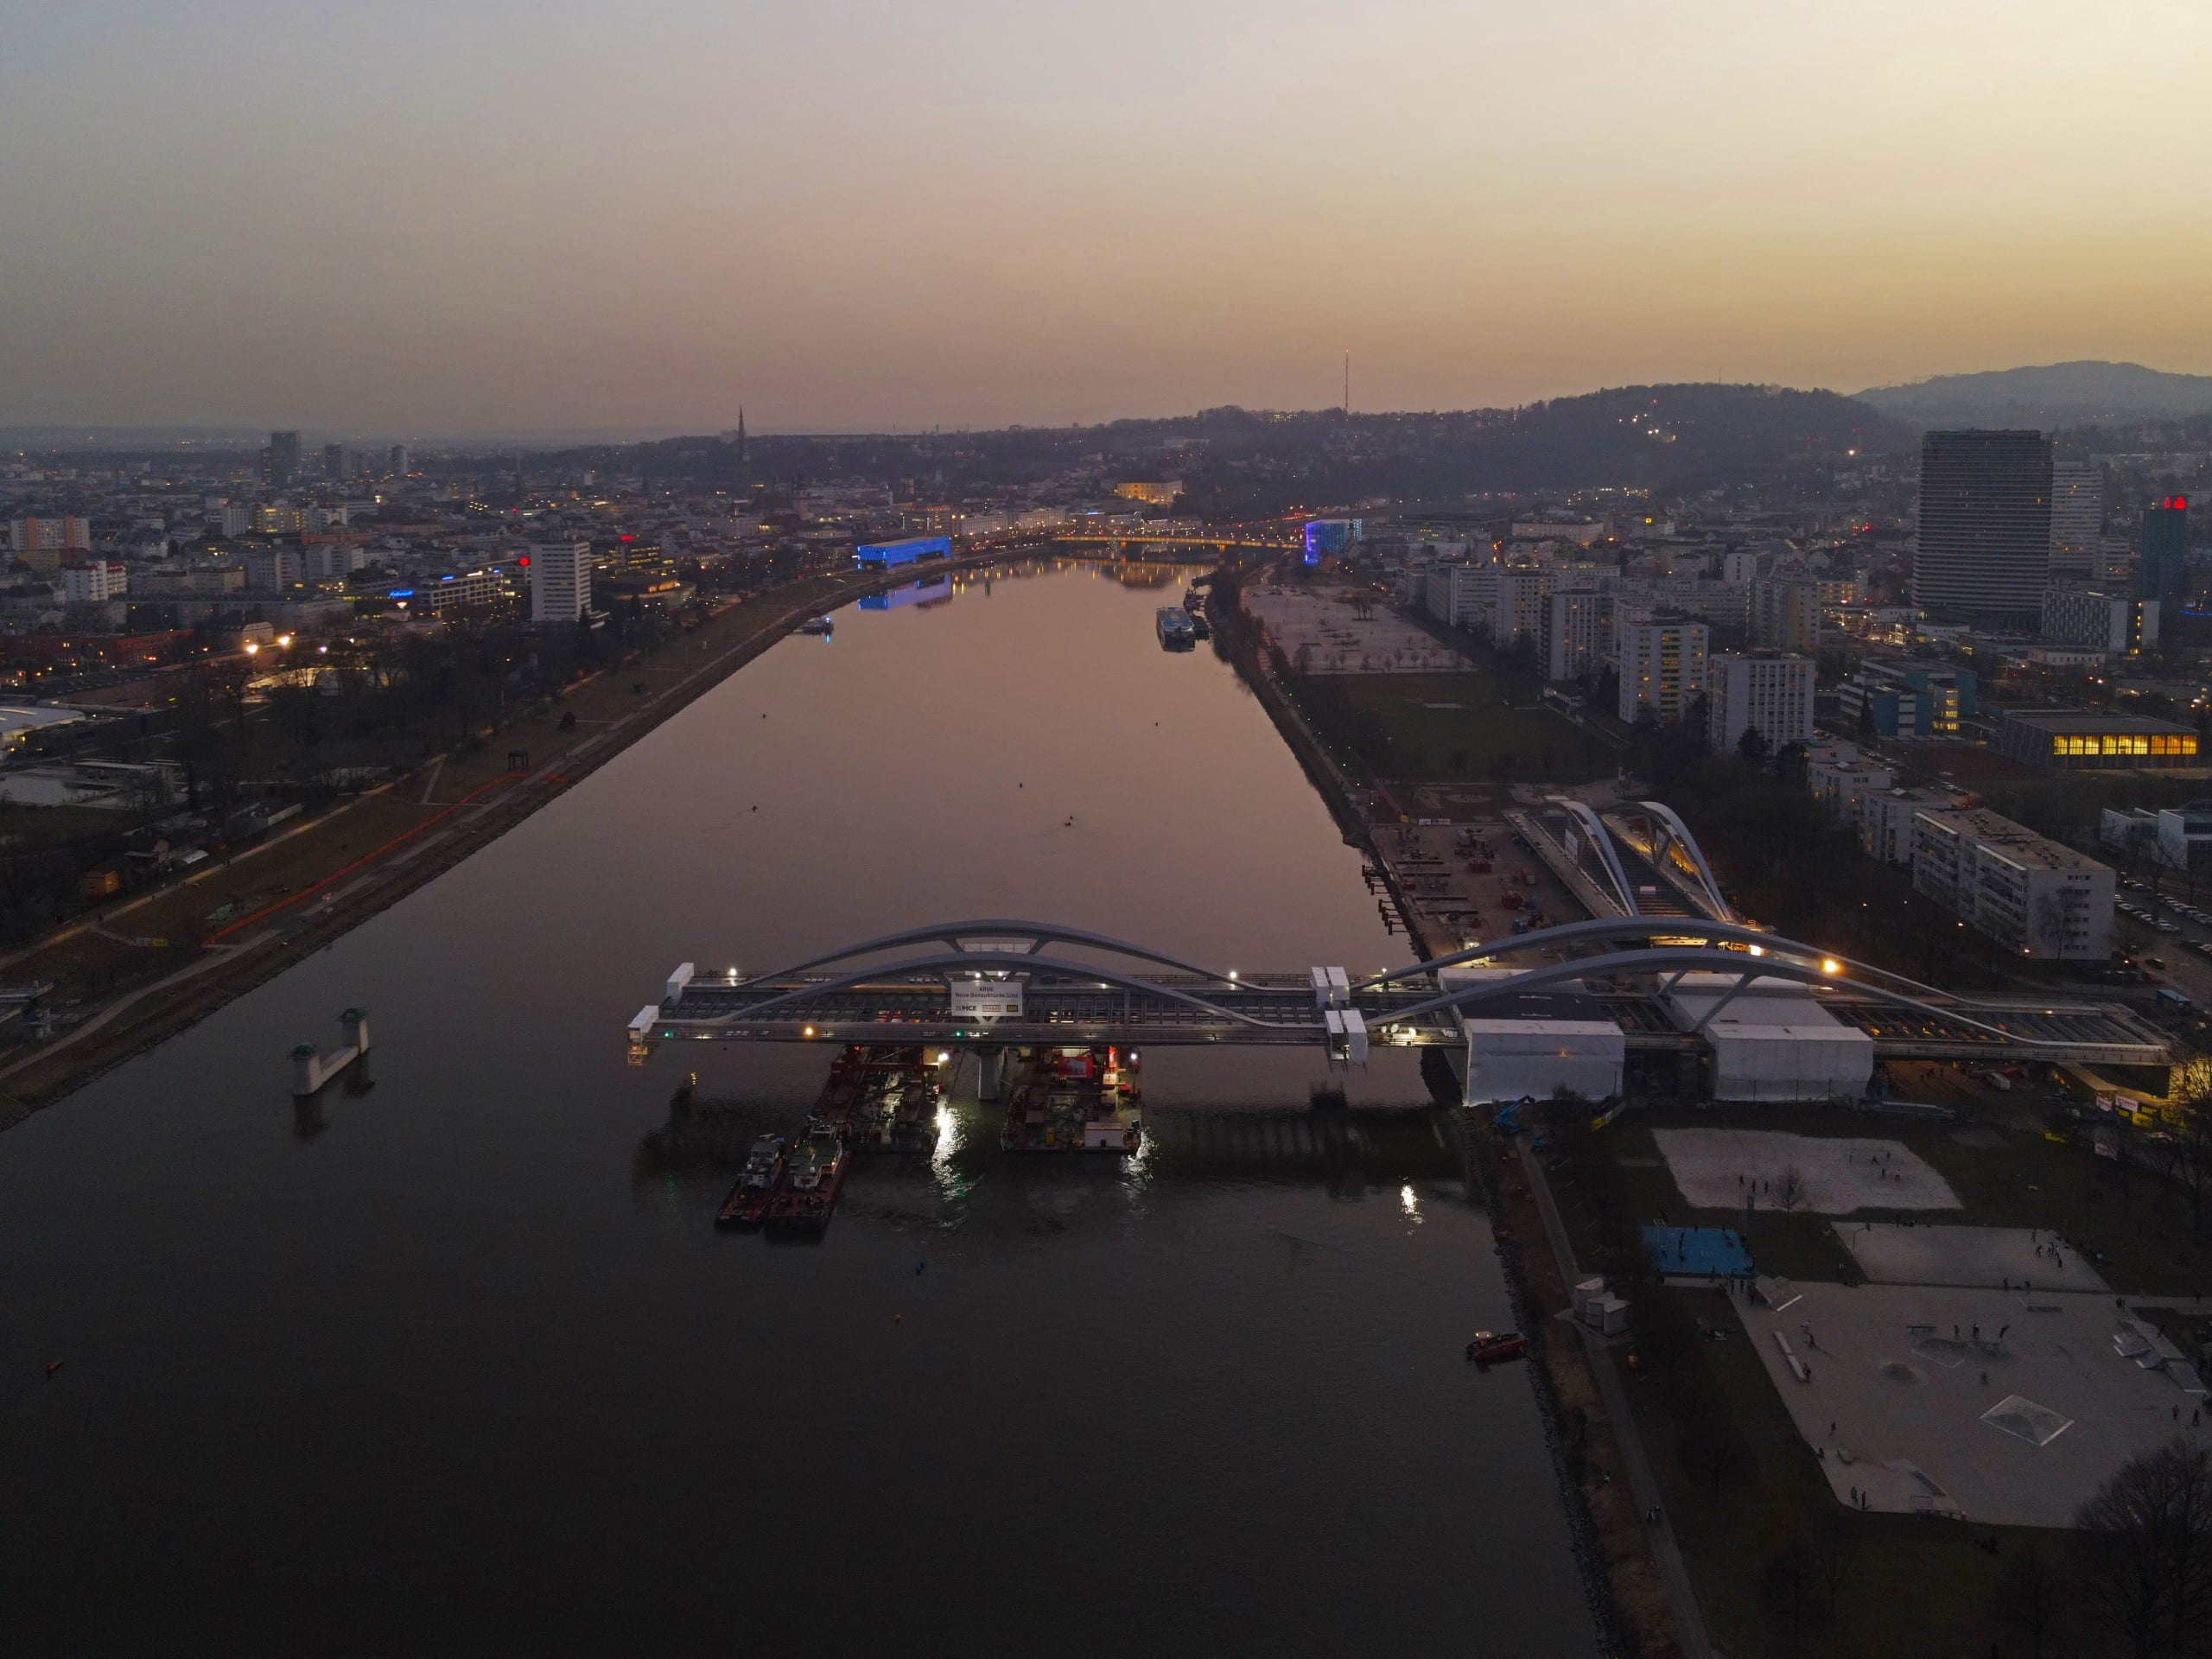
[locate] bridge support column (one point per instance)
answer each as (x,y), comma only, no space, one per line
(990,1068)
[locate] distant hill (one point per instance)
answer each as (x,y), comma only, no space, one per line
(2054,395)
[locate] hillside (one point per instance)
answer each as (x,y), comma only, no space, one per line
(2054,396)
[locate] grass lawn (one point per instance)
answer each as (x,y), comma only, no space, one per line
(1447,725)
(2141,1229)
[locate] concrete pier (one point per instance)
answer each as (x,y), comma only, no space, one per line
(312,1067)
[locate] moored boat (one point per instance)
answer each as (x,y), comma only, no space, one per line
(1491,1346)
(809,1191)
(749,1200)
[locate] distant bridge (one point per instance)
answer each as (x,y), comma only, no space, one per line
(995,982)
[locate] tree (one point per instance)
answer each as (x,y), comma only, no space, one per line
(1789,1187)
(1832,1546)
(2144,1550)
(2030,1601)
(1715,1452)
(1750,749)
(1790,1587)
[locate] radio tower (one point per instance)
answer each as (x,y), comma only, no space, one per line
(1347,381)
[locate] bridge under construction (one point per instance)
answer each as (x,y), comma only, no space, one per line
(1625,983)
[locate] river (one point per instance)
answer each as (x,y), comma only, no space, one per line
(459,1363)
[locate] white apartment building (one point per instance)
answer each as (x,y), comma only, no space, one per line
(1577,634)
(1838,781)
(1663,665)
(1772,696)
(333,561)
(1739,568)
(559,582)
(94,582)
(2031,895)
(1885,818)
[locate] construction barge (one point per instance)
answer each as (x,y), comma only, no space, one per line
(1076,1099)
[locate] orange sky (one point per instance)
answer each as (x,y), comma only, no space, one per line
(492,215)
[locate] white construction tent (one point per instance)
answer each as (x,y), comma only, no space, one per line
(1535,1042)
(1772,1041)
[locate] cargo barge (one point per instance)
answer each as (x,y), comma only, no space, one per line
(757,1184)
(809,1191)
(1076,1099)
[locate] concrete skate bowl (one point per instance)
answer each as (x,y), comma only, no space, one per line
(1898,1371)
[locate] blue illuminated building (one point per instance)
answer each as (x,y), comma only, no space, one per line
(882,556)
(1328,536)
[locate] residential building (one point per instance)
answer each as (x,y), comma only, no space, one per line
(1885,818)
(2162,552)
(272,570)
(2092,619)
(94,582)
(1982,549)
(332,561)
(1577,634)
(2185,835)
(396,461)
(2074,740)
(559,582)
(1663,665)
(2077,520)
(63,535)
(1785,615)
(2130,832)
(334,462)
(1839,780)
(1904,697)
(2035,897)
(1739,567)
(1769,693)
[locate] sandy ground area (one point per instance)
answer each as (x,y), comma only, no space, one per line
(1716,1169)
(1891,1253)
(1341,642)
(1912,1418)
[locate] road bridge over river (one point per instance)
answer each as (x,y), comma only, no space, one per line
(986,983)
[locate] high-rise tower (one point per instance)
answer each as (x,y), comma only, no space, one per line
(1982,550)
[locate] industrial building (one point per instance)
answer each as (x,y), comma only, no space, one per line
(2079,740)
(2034,896)
(1981,550)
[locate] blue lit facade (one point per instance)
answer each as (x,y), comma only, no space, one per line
(881,556)
(1325,538)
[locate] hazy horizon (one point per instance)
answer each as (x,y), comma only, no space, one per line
(484,217)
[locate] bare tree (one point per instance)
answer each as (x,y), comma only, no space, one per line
(1714,1451)
(2031,1603)
(1833,1550)
(1789,1587)
(2144,1546)
(1789,1187)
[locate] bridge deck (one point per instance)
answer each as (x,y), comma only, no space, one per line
(1278,1010)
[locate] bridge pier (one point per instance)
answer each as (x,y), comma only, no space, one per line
(990,1068)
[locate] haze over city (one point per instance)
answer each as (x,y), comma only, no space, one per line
(488,217)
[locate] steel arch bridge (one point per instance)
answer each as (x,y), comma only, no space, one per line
(995,982)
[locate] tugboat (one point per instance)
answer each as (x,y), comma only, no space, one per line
(810,1190)
(1491,1346)
(748,1201)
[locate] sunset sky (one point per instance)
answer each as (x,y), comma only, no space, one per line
(408,217)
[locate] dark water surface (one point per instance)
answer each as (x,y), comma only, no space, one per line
(467,1367)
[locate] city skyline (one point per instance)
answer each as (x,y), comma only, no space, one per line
(498,219)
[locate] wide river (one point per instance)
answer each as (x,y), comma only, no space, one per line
(462,1363)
